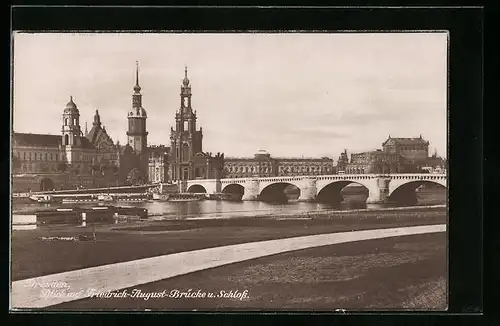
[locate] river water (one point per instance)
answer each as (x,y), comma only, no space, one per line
(225,209)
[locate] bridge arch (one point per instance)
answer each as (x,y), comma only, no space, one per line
(332,192)
(279,191)
(404,192)
(233,191)
(196,188)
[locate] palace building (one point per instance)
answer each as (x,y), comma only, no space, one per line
(44,161)
(263,165)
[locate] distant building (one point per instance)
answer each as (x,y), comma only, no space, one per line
(373,162)
(342,162)
(158,164)
(263,165)
(413,151)
(399,155)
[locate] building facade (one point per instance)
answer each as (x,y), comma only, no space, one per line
(44,161)
(373,162)
(342,162)
(158,164)
(398,155)
(263,165)
(411,150)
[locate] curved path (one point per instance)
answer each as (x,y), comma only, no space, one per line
(32,293)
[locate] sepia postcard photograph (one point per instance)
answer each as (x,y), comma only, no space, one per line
(291,171)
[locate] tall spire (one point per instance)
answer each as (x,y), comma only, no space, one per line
(137,88)
(185,81)
(137,72)
(97,118)
(86,130)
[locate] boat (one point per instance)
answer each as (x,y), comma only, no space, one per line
(45,199)
(105,198)
(160,197)
(186,197)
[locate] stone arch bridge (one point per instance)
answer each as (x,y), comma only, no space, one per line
(380,186)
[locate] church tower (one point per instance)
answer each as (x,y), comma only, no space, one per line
(137,134)
(71,132)
(186,141)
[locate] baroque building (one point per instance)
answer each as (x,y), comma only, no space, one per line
(187,160)
(263,165)
(44,161)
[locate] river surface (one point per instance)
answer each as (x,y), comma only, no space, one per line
(224,209)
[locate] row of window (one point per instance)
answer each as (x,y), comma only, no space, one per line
(284,169)
(412,147)
(27,156)
(67,120)
(263,175)
(38,168)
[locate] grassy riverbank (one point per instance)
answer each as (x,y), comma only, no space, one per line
(407,272)
(33,257)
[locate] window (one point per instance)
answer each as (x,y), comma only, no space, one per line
(185,152)
(24,156)
(66,121)
(74,122)
(57,157)
(186,126)
(45,156)
(29,157)
(66,140)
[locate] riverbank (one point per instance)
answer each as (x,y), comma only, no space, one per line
(399,273)
(114,243)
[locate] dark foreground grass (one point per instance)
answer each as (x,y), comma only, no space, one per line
(408,272)
(33,257)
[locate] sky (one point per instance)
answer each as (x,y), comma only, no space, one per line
(291,94)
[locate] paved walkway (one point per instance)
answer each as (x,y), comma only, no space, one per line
(47,290)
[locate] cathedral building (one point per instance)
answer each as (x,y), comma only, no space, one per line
(187,160)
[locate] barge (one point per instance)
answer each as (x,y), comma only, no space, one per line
(83,215)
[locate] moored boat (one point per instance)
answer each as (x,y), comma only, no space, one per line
(160,197)
(105,198)
(44,199)
(186,197)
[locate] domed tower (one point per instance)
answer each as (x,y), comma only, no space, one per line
(71,133)
(186,141)
(137,134)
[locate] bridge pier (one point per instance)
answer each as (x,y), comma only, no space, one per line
(378,194)
(308,190)
(251,190)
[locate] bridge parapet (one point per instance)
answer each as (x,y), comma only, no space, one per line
(380,186)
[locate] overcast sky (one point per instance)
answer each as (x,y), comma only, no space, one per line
(290,94)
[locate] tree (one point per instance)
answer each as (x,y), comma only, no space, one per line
(135,177)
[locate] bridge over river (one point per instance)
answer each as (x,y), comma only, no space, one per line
(380,187)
